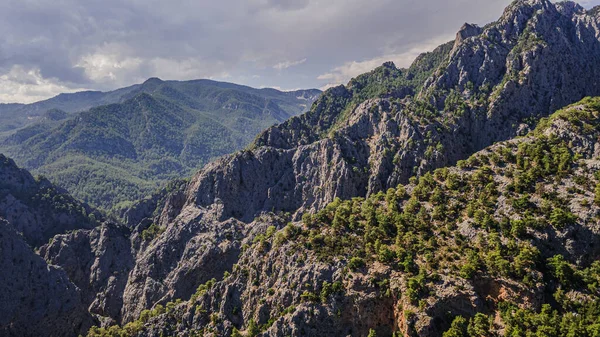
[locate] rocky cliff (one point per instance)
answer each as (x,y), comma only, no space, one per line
(36,208)
(37,299)
(372,135)
(505,242)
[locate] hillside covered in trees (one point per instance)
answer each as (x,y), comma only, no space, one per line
(152,133)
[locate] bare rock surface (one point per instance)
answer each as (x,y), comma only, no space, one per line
(37,299)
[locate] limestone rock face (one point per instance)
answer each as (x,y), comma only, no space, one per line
(37,209)
(283,284)
(536,59)
(37,299)
(98,262)
(465,32)
(174,264)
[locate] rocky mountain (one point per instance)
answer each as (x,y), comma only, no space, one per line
(503,244)
(152,133)
(37,298)
(37,209)
(437,200)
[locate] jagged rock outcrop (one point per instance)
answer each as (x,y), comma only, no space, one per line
(97,261)
(203,248)
(36,299)
(537,58)
(36,208)
(466,31)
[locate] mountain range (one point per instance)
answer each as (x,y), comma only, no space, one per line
(458,197)
(133,140)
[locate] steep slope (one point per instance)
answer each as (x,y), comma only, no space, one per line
(97,262)
(357,140)
(535,59)
(37,299)
(159,131)
(36,208)
(506,243)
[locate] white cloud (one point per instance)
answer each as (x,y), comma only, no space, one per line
(103,45)
(344,73)
(114,64)
(20,85)
(108,67)
(288,64)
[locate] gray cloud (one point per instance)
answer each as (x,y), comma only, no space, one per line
(288,4)
(53,46)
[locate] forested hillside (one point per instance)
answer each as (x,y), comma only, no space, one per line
(156,131)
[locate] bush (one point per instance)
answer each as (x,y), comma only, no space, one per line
(356,263)
(468,270)
(458,328)
(253,329)
(152,232)
(561,218)
(479,325)
(560,269)
(310,296)
(328,289)
(386,255)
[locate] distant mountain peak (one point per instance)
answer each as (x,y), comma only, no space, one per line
(153,80)
(152,83)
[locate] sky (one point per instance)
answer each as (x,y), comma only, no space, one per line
(52,46)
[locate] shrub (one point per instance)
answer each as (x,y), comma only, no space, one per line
(309,296)
(560,269)
(479,325)
(468,270)
(356,263)
(458,328)
(561,218)
(152,232)
(253,329)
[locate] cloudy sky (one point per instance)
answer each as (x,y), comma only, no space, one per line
(53,46)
